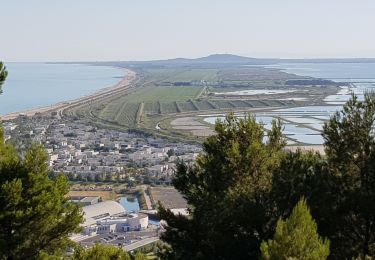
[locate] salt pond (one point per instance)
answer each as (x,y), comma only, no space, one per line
(345,93)
(252,92)
(301,124)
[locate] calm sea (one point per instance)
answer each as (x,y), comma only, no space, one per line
(31,85)
(341,72)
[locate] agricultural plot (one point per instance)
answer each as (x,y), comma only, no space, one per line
(160,94)
(222,104)
(170,198)
(181,75)
(195,75)
(205,105)
(128,114)
(164,94)
(239,103)
(187,106)
(152,107)
(168,108)
(111,111)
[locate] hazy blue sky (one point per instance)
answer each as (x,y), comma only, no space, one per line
(42,30)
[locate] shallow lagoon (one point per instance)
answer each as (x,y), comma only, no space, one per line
(299,123)
(252,92)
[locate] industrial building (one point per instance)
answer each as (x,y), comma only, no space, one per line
(110,216)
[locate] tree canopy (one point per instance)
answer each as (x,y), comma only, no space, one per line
(227,189)
(296,238)
(35,213)
(101,252)
(3,75)
(243,183)
(350,148)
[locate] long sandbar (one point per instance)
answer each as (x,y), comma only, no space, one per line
(123,84)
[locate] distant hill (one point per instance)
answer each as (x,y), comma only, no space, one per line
(211,59)
(228,58)
(222,60)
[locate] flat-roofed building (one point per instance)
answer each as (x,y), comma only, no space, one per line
(99,211)
(125,223)
(109,216)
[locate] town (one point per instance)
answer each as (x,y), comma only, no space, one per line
(85,153)
(88,156)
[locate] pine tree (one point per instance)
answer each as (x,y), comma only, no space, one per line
(228,191)
(140,256)
(35,214)
(296,238)
(3,75)
(350,148)
(100,252)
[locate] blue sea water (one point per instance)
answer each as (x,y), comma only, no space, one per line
(340,72)
(31,85)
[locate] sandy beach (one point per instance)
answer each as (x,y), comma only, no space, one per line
(61,106)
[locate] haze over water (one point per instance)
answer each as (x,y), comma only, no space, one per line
(341,72)
(31,85)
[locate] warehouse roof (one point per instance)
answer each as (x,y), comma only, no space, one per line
(101,210)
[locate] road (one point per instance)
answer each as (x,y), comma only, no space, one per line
(140,243)
(147,197)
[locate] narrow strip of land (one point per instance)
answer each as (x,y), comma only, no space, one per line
(59,107)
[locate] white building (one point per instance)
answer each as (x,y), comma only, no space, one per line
(130,222)
(109,216)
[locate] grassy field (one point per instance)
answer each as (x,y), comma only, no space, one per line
(182,75)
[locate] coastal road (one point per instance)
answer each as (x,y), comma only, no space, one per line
(140,243)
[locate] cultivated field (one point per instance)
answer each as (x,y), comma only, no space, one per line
(160,95)
(169,197)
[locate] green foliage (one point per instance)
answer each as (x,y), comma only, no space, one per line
(140,256)
(35,214)
(350,148)
(228,191)
(296,238)
(340,187)
(3,75)
(101,252)
(302,174)
(170,152)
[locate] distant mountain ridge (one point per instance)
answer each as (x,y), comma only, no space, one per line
(211,59)
(223,60)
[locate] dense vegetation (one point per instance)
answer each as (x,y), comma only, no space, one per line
(296,238)
(240,186)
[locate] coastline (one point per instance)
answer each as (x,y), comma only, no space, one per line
(61,106)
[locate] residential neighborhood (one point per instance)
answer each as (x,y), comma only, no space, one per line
(88,153)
